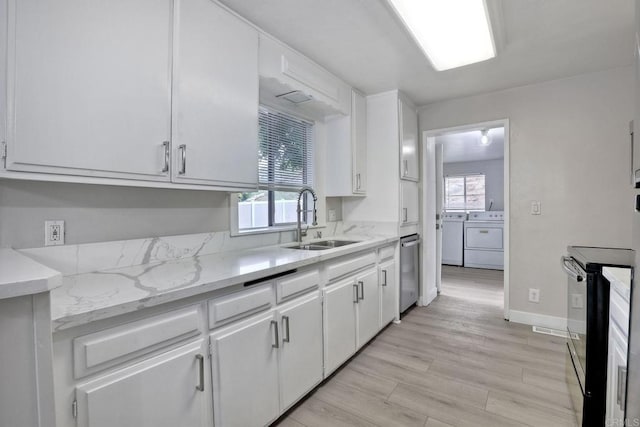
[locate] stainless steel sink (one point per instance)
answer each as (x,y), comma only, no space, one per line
(322,246)
(335,243)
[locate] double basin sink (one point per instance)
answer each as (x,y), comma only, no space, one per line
(322,245)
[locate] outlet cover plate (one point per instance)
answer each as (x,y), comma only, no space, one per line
(54,233)
(534,295)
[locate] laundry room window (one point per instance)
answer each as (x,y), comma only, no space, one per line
(285,164)
(464,193)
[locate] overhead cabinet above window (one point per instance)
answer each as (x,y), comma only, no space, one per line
(90,92)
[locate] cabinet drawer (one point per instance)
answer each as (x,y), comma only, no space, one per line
(386,252)
(100,350)
(295,285)
(232,307)
(341,268)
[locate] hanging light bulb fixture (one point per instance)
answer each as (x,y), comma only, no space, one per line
(484,138)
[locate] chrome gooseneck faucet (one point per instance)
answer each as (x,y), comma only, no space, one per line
(301,233)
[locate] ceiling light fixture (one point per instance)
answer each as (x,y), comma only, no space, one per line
(484,138)
(451,33)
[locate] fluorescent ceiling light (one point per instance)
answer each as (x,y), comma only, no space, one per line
(452,33)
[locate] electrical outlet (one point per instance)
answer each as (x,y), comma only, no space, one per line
(536,209)
(534,295)
(53,233)
(332,214)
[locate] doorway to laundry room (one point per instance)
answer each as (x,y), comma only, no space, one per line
(466,204)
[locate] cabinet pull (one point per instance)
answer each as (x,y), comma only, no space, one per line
(355,297)
(621,395)
(200,359)
(183,159)
(285,327)
(632,137)
(361,283)
(406,168)
(405,214)
(167,154)
(277,335)
(384,275)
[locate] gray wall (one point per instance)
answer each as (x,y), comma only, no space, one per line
(494,178)
(96,213)
(569,148)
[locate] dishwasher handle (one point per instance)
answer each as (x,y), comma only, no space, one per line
(570,267)
(410,243)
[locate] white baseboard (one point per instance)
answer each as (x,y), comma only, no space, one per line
(535,319)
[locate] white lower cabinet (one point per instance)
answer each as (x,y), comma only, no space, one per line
(339,324)
(244,365)
(387,278)
(301,351)
(164,391)
(368,306)
(351,317)
(263,365)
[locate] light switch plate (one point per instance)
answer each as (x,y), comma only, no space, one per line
(54,233)
(536,209)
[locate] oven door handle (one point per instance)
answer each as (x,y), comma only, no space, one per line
(569,266)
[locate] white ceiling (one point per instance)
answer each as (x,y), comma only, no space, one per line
(466,147)
(364,43)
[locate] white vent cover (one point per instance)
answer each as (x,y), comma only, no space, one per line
(296,97)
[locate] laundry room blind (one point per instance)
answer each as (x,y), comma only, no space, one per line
(285,150)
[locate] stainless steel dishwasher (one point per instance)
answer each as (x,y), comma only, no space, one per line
(409,271)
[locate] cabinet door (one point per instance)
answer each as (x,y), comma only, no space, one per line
(409,213)
(388,291)
(340,324)
(91,87)
(368,306)
(617,369)
(245,373)
(215,132)
(301,353)
(160,392)
(409,160)
(359,142)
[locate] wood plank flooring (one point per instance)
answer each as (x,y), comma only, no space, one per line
(453,363)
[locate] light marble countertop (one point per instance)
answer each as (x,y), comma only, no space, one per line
(620,279)
(92,296)
(20,275)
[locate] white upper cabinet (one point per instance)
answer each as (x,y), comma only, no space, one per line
(215,110)
(347,151)
(409,153)
(89,87)
(283,70)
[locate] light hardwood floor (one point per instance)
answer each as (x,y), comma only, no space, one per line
(453,363)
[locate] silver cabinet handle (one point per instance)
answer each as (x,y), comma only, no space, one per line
(406,168)
(355,296)
(361,283)
(285,327)
(276,335)
(632,137)
(622,387)
(405,214)
(384,274)
(167,154)
(183,159)
(358,181)
(200,359)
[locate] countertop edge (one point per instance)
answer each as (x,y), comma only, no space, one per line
(73,320)
(22,276)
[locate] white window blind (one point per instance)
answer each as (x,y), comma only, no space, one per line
(285,150)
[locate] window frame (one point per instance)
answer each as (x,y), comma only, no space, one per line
(273,226)
(466,208)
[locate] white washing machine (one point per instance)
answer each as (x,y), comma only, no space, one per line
(453,237)
(484,240)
